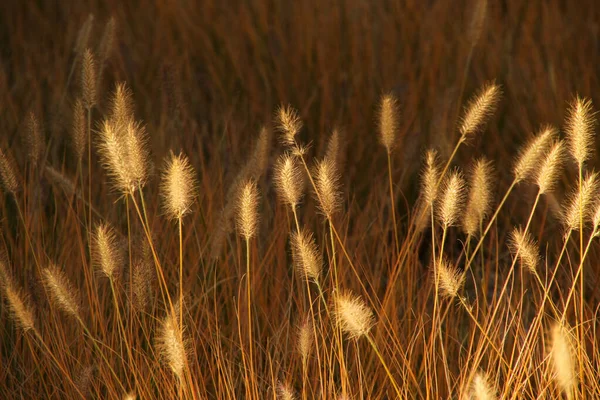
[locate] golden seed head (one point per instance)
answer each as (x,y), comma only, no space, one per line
(289,124)
(450,278)
(108,38)
(247,210)
(561,352)
(109,256)
(285,392)
(481,389)
(171,345)
(88,80)
(529,158)
(452,199)
(35,140)
(178,186)
(580,202)
(305,339)
(550,168)
(306,255)
(8,172)
(429,186)
(259,160)
(480,108)
(523,245)
(579,127)
(121,105)
(289,180)
(130,396)
(335,148)
(352,315)
(480,196)
(137,153)
(79,139)
(61,291)
(21,310)
(388,122)
(328,187)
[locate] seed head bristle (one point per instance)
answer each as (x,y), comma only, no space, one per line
(430,176)
(521,243)
(285,392)
(306,255)
(451,280)
(79,134)
(21,310)
(352,315)
(88,80)
(61,291)
(247,210)
(480,108)
(327,184)
(8,173)
(178,186)
(305,339)
(171,345)
(289,180)
(388,122)
(289,124)
(529,158)
(452,199)
(579,127)
(550,168)
(480,196)
(581,200)
(121,105)
(35,140)
(481,389)
(561,352)
(109,257)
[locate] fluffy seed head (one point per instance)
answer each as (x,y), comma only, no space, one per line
(306,255)
(88,80)
(352,315)
(580,129)
(21,310)
(581,202)
(79,129)
(550,168)
(247,210)
(289,124)
(480,108)
(8,173)
(259,160)
(429,186)
(481,389)
(61,291)
(305,339)
(388,122)
(521,244)
(289,180)
(135,139)
(178,186)
(109,256)
(335,148)
(561,352)
(450,279)
(328,187)
(451,202)
(480,196)
(130,396)
(107,42)
(171,345)
(529,158)
(285,392)
(143,277)
(35,140)
(121,105)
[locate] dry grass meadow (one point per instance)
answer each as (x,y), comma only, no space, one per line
(317,199)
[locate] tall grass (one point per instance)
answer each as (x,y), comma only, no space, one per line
(216,275)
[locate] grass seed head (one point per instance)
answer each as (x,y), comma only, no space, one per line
(388,121)
(352,315)
(178,186)
(109,257)
(481,389)
(305,339)
(579,127)
(561,352)
(550,168)
(451,280)
(88,80)
(289,180)
(8,172)
(530,156)
(327,185)
(451,201)
(289,124)
(580,202)
(35,139)
(61,291)
(306,255)
(247,210)
(479,198)
(171,345)
(523,245)
(79,129)
(285,391)
(480,108)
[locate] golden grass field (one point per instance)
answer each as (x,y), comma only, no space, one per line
(329,199)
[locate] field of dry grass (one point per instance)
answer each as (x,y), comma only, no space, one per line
(337,199)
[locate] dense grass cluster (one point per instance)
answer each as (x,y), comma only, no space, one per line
(165,256)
